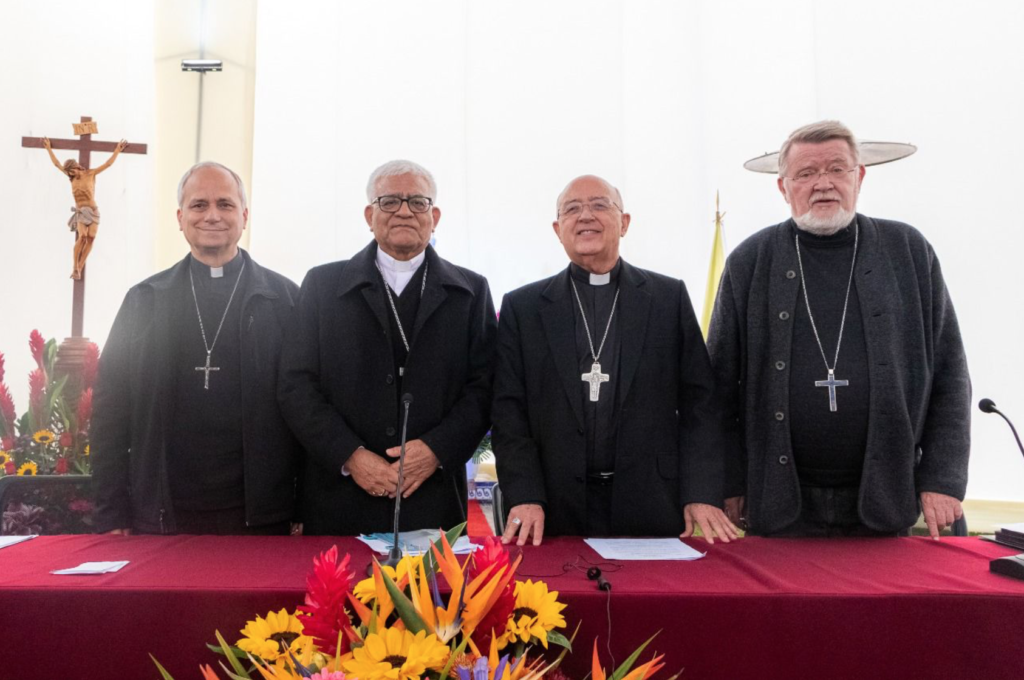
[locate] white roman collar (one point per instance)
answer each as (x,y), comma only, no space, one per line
(600,279)
(396,272)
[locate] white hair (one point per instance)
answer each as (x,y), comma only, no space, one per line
(399,167)
(817,133)
(210,164)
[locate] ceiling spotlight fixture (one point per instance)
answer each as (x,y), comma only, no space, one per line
(202,65)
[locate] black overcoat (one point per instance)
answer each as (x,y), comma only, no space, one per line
(133,412)
(669,435)
(338,389)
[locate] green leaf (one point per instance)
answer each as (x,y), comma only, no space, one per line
(429,561)
(49,355)
(621,671)
(404,607)
(451,658)
(234,650)
(556,638)
(231,658)
(54,393)
(163,671)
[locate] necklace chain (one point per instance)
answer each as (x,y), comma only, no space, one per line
(849,284)
(596,355)
(394,309)
(202,330)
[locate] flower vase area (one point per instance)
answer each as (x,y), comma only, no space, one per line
(44,453)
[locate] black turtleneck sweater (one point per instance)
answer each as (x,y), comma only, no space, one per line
(828,446)
(205,459)
(599,416)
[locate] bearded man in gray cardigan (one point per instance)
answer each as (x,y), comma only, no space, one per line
(835,340)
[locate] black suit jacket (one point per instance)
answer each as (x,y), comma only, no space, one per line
(670,440)
(337,389)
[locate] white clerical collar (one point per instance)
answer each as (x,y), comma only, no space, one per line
(600,279)
(398,273)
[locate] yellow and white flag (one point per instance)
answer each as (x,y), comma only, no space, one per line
(715,270)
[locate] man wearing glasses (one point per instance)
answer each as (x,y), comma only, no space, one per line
(605,421)
(396,319)
(836,341)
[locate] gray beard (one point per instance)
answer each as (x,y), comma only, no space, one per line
(824,226)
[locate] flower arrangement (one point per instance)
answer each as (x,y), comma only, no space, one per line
(395,625)
(51,437)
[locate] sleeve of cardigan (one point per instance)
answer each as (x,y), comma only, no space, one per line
(946,436)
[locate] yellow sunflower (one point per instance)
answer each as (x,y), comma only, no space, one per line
(43,437)
(273,636)
(366,590)
(86,451)
(537,612)
(4,457)
(395,654)
(28,468)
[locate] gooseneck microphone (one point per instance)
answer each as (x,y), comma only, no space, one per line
(989,406)
(395,554)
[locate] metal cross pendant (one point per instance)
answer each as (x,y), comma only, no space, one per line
(207,368)
(595,378)
(831,384)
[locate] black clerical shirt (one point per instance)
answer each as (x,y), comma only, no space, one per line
(828,447)
(599,416)
(205,461)
(408,306)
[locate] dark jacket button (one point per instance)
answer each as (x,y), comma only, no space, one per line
(390,379)
(784,315)
(783,460)
(779,415)
(791,274)
(780,365)
(391,431)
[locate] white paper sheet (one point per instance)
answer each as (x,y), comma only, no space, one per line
(643,549)
(414,542)
(11,540)
(92,568)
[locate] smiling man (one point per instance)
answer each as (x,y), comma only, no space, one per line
(187,436)
(396,319)
(836,341)
(605,421)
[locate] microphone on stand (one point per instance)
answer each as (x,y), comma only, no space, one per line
(1013,565)
(395,554)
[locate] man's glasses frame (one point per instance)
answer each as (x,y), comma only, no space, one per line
(392,204)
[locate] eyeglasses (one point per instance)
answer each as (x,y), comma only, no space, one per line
(835,174)
(575,208)
(392,204)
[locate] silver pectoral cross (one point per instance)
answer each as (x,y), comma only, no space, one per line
(207,368)
(595,378)
(831,384)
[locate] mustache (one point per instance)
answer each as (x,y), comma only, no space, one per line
(818,196)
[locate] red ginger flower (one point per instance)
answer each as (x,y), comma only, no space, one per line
(66,440)
(62,466)
(1,368)
(36,384)
(37,344)
(84,410)
(7,414)
(493,552)
(326,591)
(90,364)
(10,468)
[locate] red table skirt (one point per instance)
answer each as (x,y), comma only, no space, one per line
(764,608)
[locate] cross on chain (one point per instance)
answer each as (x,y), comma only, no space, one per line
(595,378)
(207,368)
(831,384)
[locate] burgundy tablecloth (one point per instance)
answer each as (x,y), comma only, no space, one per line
(864,608)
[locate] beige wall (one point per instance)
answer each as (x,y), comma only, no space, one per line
(188,29)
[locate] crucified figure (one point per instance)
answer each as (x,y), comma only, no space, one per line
(86,217)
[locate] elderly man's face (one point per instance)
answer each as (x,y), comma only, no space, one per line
(823,196)
(404,234)
(591,223)
(211,215)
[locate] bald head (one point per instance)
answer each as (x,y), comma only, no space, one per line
(610,191)
(590,223)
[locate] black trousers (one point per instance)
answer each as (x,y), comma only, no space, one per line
(228,522)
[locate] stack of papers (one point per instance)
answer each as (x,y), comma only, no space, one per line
(414,542)
(11,540)
(92,568)
(643,549)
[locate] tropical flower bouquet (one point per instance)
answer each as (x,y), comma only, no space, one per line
(397,625)
(51,437)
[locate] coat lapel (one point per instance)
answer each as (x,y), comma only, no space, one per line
(440,275)
(361,272)
(634,308)
(557,318)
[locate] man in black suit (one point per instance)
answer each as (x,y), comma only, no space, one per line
(605,417)
(395,319)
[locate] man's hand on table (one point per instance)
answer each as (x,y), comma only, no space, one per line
(940,511)
(524,520)
(118,532)
(711,520)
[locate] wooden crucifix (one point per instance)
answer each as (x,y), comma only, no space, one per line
(85,214)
